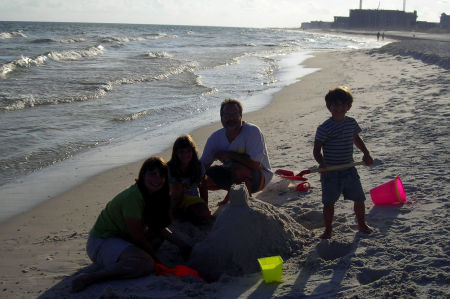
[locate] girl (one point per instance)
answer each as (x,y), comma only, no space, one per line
(186,173)
(119,241)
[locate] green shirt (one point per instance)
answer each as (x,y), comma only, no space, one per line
(111,221)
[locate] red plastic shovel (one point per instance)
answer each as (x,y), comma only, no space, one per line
(289,174)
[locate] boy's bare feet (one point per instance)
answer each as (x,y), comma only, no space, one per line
(327,234)
(365,229)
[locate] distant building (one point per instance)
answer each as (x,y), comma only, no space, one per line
(445,21)
(382,19)
(316,25)
(426,25)
(376,19)
(341,22)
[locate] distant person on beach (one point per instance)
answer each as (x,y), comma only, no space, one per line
(335,138)
(130,229)
(378,35)
(382,36)
(186,172)
(241,149)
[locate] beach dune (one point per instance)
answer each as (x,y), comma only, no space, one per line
(402,105)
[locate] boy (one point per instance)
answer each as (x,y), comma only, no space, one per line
(335,137)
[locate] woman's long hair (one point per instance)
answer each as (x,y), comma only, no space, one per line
(157,204)
(194,169)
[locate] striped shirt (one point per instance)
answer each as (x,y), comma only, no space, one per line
(337,140)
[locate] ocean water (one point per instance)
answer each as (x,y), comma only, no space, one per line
(77,98)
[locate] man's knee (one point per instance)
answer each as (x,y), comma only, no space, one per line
(219,177)
(240,173)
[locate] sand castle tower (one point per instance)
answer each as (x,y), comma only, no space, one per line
(245,230)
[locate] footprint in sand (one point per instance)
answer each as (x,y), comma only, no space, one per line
(333,250)
(370,275)
(311,219)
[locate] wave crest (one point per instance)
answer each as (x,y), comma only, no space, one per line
(160,35)
(76,54)
(25,62)
(22,62)
(152,55)
(11,104)
(132,116)
(127,39)
(63,41)
(19,104)
(6,35)
(121,39)
(189,67)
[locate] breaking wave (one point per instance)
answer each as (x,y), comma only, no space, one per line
(101,91)
(127,39)
(124,39)
(22,62)
(132,116)
(62,41)
(29,101)
(157,55)
(6,35)
(27,62)
(160,35)
(76,54)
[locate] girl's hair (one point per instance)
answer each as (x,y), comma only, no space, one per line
(157,204)
(339,94)
(194,168)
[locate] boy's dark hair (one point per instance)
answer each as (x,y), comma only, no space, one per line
(230,101)
(339,94)
(195,168)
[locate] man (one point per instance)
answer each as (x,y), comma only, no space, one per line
(241,148)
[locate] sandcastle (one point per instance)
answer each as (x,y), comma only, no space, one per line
(245,230)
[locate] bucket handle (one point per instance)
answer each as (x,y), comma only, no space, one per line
(396,190)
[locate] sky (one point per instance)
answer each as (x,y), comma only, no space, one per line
(238,13)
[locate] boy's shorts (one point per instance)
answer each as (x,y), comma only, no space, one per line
(223,179)
(346,182)
(105,252)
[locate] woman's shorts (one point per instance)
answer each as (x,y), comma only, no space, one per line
(345,182)
(105,252)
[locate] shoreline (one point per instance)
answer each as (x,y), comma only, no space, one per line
(61,177)
(199,135)
(55,220)
(43,249)
(389,34)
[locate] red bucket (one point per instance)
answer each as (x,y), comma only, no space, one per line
(389,193)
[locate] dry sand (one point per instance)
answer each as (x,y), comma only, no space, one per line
(402,105)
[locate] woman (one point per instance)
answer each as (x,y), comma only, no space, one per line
(119,241)
(186,173)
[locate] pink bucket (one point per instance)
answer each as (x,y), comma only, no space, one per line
(389,193)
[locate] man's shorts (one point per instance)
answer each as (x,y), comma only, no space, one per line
(105,252)
(222,177)
(346,182)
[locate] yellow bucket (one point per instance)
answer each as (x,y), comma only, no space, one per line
(271,268)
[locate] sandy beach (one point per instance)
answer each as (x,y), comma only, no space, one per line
(402,105)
